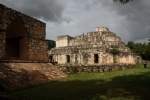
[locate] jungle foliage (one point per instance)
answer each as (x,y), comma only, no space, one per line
(141,49)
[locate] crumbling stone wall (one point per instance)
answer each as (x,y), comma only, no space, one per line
(63,41)
(16,26)
(69,69)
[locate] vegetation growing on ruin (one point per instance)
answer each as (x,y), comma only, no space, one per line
(114,51)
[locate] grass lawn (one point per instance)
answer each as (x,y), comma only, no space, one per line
(129,84)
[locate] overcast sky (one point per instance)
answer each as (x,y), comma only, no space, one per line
(131,21)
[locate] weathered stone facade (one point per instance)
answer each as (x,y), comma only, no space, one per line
(21,36)
(92,49)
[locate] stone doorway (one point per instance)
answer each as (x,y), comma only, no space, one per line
(51,58)
(15,33)
(96,58)
(13,47)
(68,58)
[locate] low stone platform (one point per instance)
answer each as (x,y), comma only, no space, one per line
(18,74)
(21,61)
(94,68)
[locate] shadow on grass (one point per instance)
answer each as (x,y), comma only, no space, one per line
(128,87)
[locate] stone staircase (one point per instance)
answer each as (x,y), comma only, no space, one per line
(18,75)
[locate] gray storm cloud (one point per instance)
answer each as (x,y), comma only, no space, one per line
(48,10)
(137,18)
(136,14)
(130,21)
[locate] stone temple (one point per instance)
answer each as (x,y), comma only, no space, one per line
(21,36)
(92,48)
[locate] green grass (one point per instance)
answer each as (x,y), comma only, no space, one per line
(130,84)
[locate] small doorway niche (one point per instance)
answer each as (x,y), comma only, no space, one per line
(68,58)
(96,58)
(51,58)
(13,47)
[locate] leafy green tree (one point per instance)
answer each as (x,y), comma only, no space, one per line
(148,50)
(141,49)
(149,40)
(123,1)
(130,44)
(51,44)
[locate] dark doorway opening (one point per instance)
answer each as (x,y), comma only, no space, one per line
(50,58)
(68,58)
(96,58)
(16,46)
(13,47)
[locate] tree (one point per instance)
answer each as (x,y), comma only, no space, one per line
(123,1)
(51,44)
(141,49)
(130,44)
(149,40)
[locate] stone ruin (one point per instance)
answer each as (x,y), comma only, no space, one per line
(21,36)
(23,51)
(92,48)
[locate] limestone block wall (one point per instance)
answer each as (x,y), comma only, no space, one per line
(95,68)
(3,26)
(2,44)
(126,59)
(38,49)
(102,58)
(24,49)
(107,59)
(131,59)
(34,27)
(123,59)
(88,58)
(102,29)
(61,59)
(84,56)
(16,29)
(91,38)
(62,43)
